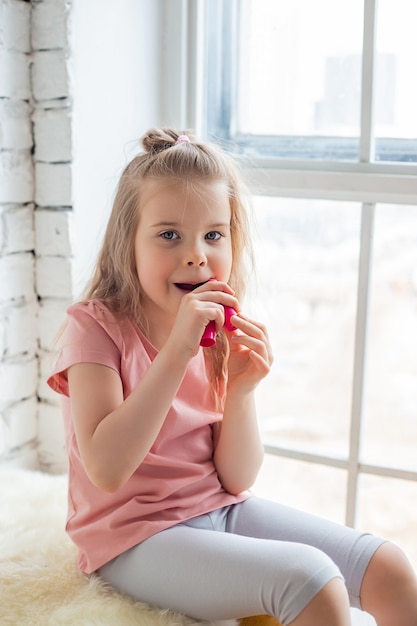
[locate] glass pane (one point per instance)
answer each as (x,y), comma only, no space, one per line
(390,410)
(396,87)
(300,70)
(305,291)
(294,483)
(387,507)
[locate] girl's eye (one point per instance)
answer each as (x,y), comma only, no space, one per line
(213,235)
(170,235)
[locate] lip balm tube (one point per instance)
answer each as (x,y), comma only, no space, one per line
(209,336)
(228,313)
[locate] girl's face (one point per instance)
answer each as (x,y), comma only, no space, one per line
(183,239)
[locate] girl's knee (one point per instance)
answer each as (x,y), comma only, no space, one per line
(389,581)
(307,576)
(329,606)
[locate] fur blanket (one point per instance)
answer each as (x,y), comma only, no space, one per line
(40,584)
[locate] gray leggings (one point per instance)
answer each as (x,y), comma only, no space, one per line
(250,558)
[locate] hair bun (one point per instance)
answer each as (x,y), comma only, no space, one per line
(158,139)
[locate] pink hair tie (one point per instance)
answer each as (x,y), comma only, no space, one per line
(182,139)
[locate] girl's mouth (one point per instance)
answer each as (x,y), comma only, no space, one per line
(189,286)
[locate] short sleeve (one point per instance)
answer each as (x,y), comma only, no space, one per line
(89,337)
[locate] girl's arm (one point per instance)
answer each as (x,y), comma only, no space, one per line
(238,450)
(114,435)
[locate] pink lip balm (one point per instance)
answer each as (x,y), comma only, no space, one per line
(228,313)
(209,336)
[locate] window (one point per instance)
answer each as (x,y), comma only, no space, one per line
(291,78)
(354,419)
(319,99)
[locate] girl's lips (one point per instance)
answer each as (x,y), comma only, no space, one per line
(189,286)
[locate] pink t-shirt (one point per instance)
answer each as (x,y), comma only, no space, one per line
(177,479)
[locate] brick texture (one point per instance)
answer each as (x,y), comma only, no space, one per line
(35,224)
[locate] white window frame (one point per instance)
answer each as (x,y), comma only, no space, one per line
(183,86)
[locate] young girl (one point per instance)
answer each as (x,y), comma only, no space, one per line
(161,433)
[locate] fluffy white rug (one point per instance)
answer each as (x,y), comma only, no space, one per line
(40,584)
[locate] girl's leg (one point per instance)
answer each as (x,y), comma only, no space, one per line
(378,576)
(330,607)
(389,588)
(351,550)
(214,575)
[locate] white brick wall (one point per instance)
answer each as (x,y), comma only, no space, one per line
(53,184)
(16,176)
(35,211)
(50,25)
(52,135)
(15,25)
(15,127)
(14,74)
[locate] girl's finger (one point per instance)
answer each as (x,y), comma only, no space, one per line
(249,326)
(263,366)
(217,297)
(256,348)
(254,337)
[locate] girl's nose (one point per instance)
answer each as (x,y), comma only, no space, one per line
(196,257)
(201,262)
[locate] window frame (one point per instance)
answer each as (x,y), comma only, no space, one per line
(186,77)
(222,103)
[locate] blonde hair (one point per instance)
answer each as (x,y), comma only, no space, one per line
(115,281)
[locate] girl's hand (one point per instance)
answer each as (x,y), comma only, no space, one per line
(251,356)
(197,308)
